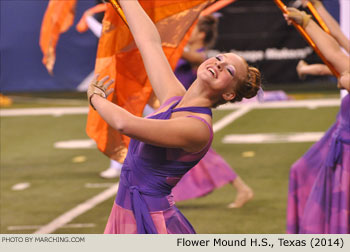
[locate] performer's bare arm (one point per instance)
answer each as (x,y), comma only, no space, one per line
(327,45)
(187,133)
(331,23)
(145,33)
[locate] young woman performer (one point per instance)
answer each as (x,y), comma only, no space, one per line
(319,182)
(212,171)
(168,143)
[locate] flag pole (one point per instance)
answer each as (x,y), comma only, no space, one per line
(318,17)
(301,30)
(216,6)
(119,10)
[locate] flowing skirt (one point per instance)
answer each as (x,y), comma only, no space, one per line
(319,194)
(169,221)
(210,173)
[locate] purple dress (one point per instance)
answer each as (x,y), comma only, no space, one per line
(212,171)
(319,182)
(144,203)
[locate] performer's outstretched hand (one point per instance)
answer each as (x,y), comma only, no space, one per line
(99,87)
(300,17)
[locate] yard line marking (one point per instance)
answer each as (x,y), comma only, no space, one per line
(98,185)
(41,100)
(284,104)
(76,144)
(31,227)
(78,210)
(20,186)
(56,111)
(272,138)
(230,118)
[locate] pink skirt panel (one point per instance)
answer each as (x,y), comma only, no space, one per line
(170,221)
(122,221)
(210,173)
(302,178)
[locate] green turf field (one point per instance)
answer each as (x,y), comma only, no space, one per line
(58,178)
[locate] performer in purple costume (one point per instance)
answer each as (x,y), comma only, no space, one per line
(319,183)
(212,171)
(172,140)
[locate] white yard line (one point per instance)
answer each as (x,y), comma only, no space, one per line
(223,122)
(31,227)
(75,144)
(266,105)
(284,104)
(78,210)
(56,101)
(56,111)
(98,185)
(272,138)
(243,108)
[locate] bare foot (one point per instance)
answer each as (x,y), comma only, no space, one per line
(244,193)
(300,65)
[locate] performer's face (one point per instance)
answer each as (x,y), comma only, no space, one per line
(223,72)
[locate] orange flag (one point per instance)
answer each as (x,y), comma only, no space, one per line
(59,16)
(82,24)
(216,6)
(119,58)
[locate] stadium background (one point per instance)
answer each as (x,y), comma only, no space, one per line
(246,26)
